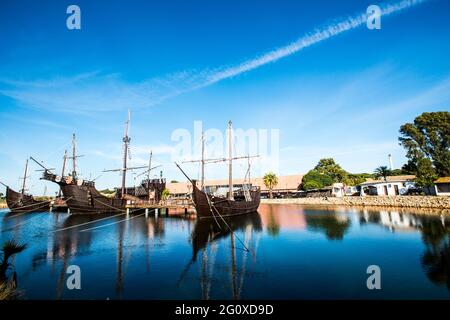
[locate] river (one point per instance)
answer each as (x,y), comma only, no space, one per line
(281,252)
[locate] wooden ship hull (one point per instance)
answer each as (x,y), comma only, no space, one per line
(208,205)
(19,202)
(84,198)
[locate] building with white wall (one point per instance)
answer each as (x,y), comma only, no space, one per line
(442,186)
(385,188)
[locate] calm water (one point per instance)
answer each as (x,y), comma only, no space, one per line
(294,253)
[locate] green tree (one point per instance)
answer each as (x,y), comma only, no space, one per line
(165,194)
(357,178)
(396,172)
(315,180)
(410,167)
(428,137)
(382,171)
(270,181)
(330,168)
(425,174)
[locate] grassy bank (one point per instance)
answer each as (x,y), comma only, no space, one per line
(3,204)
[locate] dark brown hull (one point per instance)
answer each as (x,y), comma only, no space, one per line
(84,198)
(18,202)
(87,200)
(223,206)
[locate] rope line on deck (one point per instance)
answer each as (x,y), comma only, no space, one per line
(44,203)
(112,223)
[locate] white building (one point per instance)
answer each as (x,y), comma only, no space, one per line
(385,188)
(337,190)
(442,186)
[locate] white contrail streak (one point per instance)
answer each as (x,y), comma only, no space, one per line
(319,35)
(107,93)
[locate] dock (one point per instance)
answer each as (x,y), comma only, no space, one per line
(176,206)
(166,207)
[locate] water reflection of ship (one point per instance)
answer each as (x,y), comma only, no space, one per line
(209,232)
(68,241)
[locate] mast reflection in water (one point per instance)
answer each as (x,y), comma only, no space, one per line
(282,252)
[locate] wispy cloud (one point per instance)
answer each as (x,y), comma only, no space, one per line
(85,93)
(34,121)
(331,30)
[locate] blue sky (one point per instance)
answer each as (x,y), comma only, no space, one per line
(343,97)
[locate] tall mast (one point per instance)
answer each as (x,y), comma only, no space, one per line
(249,169)
(230,161)
(203,161)
(63,169)
(25,177)
(149,168)
(74,157)
(126,141)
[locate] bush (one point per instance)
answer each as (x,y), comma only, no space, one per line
(311,185)
(315,180)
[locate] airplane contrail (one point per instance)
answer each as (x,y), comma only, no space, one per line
(156,90)
(329,31)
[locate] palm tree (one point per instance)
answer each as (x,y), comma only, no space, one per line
(165,194)
(382,171)
(270,181)
(9,249)
(8,289)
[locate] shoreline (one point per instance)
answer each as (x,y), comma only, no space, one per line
(423,203)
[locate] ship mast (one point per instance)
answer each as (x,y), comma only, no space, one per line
(74,157)
(25,177)
(203,161)
(62,170)
(230,161)
(126,141)
(149,168)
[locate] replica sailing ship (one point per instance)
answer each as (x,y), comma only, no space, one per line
(241,201)
(23,202)
(82,197)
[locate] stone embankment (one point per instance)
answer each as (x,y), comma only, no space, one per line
(424,202)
